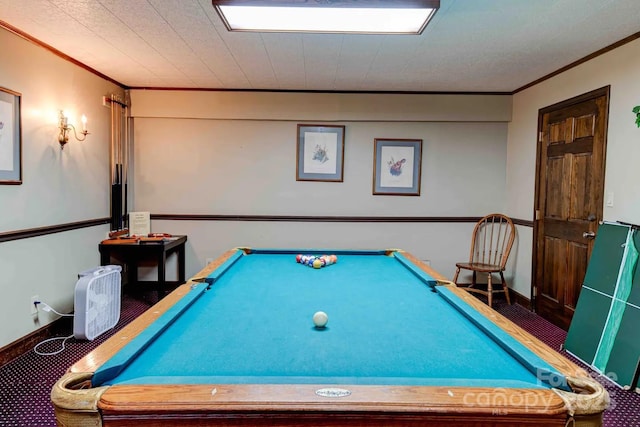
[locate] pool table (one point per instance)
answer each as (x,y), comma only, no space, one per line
(236,346)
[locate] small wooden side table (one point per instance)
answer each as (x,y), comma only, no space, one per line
(131,253)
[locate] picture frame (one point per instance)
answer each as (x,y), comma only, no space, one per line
(10,137)
(320,153)
(397,167)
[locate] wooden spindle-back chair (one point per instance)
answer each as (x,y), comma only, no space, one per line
(491,244)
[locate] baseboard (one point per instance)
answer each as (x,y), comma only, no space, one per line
(518,298)
(25,344)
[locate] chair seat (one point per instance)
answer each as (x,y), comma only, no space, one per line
(478,266)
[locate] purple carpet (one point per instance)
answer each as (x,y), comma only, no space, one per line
(25,383)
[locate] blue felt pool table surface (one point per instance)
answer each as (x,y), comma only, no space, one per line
(251,322)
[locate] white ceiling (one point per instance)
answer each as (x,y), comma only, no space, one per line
(469,46)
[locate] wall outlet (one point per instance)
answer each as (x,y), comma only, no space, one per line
(34,308)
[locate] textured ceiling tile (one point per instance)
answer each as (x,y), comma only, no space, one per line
(322,54)
(358,52)
(249,53)
(286,55)
(479,45)
(201,37)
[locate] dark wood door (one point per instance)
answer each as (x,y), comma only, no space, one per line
(569,199)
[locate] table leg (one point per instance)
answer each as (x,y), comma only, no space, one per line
(105,258)
(181,265)
(162,279)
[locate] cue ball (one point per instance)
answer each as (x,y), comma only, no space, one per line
(320,319)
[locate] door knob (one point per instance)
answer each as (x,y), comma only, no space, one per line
(589,234)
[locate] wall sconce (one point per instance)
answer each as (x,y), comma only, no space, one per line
(65,127)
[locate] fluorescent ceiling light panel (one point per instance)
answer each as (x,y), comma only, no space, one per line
(324,18)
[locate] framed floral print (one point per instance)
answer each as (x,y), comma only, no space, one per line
(320,153)
(396,167)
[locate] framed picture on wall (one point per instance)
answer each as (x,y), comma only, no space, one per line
(320,153)
(396,167)
(10,137)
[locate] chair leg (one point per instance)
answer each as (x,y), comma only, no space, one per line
(473,280)
(489,290)
(505,288)
(455,277)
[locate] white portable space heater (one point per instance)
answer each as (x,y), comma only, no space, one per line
(96,301)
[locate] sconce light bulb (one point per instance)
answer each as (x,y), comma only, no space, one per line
(84,123)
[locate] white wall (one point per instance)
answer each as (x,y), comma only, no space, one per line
(235,154)
(59,186)
(619,68)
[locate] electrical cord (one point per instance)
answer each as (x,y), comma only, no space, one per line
(46,307)
(40,353)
